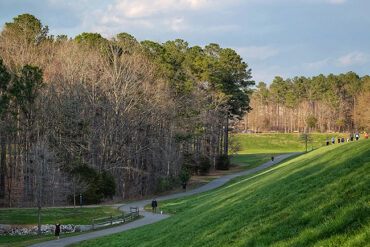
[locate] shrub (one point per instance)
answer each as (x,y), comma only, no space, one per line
(190,164)
(204,165)
(167,183)
(99,185)
(223,162)
(108,186)
(184,175)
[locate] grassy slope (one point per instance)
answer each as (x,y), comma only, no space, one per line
(318,199)
(280,143)
(249,161)
(78,216)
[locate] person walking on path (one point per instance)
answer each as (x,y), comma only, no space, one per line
(357,136)
(333,140)
(57,230)
(184,185)
(272,159)
(154,206)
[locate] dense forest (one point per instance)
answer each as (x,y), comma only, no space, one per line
(110,117)
(333,103)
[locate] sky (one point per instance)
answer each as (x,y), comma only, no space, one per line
(284,38)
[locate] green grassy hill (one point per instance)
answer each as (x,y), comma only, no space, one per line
(317,199)
(280,143)
(78,216)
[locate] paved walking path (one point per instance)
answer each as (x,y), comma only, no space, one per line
(149,217)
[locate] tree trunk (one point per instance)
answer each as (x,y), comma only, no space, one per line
(3,166)
(39,220)
(226,146)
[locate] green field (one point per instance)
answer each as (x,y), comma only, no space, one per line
(78,216)
(249,161)
(280,143)
(25,240)
(317,199)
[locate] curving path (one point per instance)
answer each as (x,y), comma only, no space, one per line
(149,217)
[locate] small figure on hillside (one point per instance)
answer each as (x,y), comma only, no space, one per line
(366,136)
(347,139)
(312,148)
(357,136)
(333,140)
(342,139)
(351,136)
(154,206)
(57,230)
(338,140)
(184,185)
(272,158)
(327,143)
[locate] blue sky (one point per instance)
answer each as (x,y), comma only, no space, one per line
(275,37)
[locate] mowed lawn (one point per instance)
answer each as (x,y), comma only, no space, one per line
(78,216)
(281,143)
(249,161)
(317,199)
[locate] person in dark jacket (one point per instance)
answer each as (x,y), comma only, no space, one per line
(342,139)
(351,136)
(57,230)
(184,185)
(154,206)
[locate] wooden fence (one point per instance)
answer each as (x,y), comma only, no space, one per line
(115,219)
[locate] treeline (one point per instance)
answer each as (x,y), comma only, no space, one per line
(333,103)
(112,117)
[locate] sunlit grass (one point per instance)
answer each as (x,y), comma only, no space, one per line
(78,216)
(318,199)
(281,143)
(249,161)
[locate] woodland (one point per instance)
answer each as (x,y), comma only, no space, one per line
(333,103)
(110,118)
(121,119)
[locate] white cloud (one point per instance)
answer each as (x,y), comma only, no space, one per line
(257,52)
(177,24)
(148,8)
(317,64)
(353,58)
(154,15)
(267,73)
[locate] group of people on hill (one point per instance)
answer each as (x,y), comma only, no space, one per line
(351,138)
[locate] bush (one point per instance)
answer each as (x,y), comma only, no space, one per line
(204,165)
(223,162)
(184,175)
(99,185)
(167,182)
(108,186)
(190,164)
